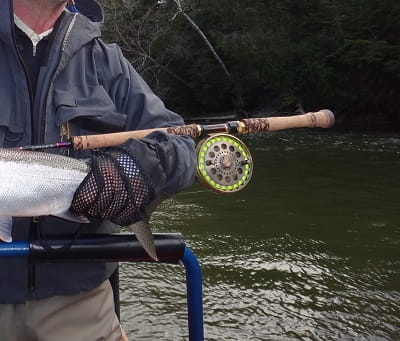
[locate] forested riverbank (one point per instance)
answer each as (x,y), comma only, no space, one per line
(266,56)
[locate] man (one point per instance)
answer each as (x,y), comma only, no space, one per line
(57,78)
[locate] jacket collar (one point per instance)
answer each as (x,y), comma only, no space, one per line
(76,31)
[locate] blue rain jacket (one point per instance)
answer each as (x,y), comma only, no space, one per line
(92,87)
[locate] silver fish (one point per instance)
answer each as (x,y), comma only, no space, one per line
(38,184)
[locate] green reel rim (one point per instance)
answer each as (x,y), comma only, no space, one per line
(224,163)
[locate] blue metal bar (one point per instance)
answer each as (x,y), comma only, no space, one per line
(88,249)
(14,249)
(194,295)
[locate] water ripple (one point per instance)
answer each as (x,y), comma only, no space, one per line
(310,252)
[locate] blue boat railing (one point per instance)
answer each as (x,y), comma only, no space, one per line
(171,248)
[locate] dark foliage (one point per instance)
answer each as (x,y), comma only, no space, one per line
(341,55)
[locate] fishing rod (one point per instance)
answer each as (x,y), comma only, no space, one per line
(224,163)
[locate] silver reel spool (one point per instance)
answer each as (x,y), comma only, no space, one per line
(224,163)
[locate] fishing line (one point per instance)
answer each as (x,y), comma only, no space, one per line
(47,246)
(195,192)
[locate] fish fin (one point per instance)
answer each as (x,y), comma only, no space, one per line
(142,228)
(67,215)
(145,237)
(5,229)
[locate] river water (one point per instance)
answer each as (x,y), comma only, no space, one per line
(310,250)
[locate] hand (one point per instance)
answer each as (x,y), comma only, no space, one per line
(115,189)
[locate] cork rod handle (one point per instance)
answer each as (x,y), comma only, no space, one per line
(108,140)
(320,119)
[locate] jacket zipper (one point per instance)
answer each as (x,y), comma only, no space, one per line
(44,111)
(68,33)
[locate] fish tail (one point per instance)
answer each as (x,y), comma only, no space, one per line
(145,238)
(5,229)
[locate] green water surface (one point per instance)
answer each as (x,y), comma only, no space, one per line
(310,250)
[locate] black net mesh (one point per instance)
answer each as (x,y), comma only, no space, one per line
(116,189)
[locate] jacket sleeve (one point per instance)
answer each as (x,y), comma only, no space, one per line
(168,160)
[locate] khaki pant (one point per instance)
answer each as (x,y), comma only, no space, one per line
(87,316)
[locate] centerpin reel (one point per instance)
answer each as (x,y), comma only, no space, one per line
(224,163)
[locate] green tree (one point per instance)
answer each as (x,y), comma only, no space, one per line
(342,55)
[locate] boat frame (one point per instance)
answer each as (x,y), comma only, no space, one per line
(121,247)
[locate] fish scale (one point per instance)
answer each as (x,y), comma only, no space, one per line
(40,184)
